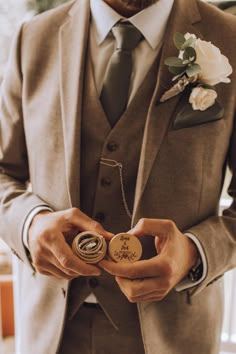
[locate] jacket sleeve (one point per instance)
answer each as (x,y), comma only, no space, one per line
(16,201)
(217,235)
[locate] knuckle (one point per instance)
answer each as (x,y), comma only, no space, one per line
(73,212)
(65,262)
(142,223)
(95,226)
(170,225)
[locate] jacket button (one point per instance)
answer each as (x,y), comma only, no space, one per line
(100,217)
(112,146)
(106,182)
(93,282)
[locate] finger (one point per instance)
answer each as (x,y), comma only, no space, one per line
(51,270)
(68,260)
(155,267)
(47,264)
(141,287)
(84,222)
(153,227)
(134,293)
(69,272)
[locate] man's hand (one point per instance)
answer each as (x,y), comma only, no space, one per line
(50,253)
(151,280)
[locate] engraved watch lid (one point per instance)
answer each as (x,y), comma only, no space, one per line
(89,246)
(125,248)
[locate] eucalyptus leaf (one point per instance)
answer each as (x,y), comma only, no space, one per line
(179,40)
(174,61)
(188,43)
(189,54)
(177,71)
(193,69)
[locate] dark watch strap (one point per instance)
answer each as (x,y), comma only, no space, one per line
(196,272)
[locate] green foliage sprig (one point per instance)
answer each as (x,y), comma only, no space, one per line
(39,6)
(185,63)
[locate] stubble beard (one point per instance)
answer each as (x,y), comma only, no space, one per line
(138,4)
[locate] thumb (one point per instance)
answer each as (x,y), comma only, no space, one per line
(153,227)
(85,223)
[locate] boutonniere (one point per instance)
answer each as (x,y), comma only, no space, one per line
(200,65)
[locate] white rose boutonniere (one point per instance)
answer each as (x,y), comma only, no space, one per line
(202,98)
(201,65)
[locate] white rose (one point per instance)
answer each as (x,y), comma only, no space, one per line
(189,35)
(202,98)
(215,66)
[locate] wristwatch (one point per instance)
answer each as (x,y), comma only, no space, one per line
(196,272)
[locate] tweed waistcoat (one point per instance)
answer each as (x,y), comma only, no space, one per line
(103,151)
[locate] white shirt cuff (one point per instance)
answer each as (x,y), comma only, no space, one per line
(186,283)
(29,220)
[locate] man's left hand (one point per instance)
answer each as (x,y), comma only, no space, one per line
(152,279)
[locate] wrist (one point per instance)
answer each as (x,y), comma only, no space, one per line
(37,217)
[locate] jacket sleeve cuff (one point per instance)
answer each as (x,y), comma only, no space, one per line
(187,283)
(29,220)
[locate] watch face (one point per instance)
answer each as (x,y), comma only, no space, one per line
(125,248)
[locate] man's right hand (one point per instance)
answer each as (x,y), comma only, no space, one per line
(50,253)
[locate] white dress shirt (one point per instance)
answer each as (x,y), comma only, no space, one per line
(151,22)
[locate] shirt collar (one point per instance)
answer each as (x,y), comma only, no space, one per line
(103,19)
(151,22)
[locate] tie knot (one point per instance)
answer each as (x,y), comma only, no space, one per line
(127,36)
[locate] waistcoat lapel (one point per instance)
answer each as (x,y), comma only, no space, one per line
(73,38)
(182,18)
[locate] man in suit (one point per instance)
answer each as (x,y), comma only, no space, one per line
(148,168)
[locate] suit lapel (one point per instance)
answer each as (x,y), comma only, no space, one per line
(183,16)
(73,37)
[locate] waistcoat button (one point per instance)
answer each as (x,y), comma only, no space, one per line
(93,282)
(100,217)
(105,182)
(112,146)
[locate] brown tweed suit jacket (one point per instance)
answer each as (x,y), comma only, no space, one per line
(180,172)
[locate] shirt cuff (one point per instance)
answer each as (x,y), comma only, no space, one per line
(186,283)
(29,220)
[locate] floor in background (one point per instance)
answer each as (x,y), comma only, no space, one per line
(7,346)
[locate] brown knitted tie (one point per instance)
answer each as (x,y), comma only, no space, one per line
(114,95)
